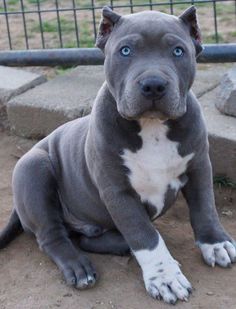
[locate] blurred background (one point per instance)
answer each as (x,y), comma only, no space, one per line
(46,24)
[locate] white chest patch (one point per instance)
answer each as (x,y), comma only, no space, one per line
(156,165)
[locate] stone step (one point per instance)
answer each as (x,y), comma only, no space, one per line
(227,96)
(16,81)
(222,136)
(39,111)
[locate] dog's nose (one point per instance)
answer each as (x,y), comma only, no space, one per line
(153,87)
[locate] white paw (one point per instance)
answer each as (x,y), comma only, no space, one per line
(222,253)
(168,283)
(162,275)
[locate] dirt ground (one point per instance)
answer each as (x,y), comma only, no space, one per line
(28,279)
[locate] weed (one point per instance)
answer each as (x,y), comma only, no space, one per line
(224,8)
(223,181)
(70,44)
(233,33)
(225,18)
(211,38)
(52,26)
(35,1)
(60,70)
(12,2)
(86,37)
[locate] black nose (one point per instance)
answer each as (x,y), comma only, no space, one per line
(153,87)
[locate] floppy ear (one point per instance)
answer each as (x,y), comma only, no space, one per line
(109,19)
(189,17)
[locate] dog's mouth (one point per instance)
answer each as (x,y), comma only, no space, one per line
(155,109)
(151,114)
(155,115)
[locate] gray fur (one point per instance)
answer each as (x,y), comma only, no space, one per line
(75,179)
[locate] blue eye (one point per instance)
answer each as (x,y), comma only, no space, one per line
(125,51)
(178,52)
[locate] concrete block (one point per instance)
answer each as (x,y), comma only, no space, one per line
(208,78)
(222,136)
(16,81)
(39,111)
(226,102)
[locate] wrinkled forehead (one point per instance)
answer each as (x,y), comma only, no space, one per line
(151,25)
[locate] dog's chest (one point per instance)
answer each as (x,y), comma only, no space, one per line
(155,167)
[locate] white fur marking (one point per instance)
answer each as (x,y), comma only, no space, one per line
(156,165)
(162,275)
(221,253)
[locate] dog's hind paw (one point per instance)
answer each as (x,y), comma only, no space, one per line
(221,253)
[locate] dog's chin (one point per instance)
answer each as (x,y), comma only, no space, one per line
(146,115)
(129,118)
(154,115)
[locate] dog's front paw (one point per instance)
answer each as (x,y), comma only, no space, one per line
(79,272)
(168,282)
(221,253)
(161,273)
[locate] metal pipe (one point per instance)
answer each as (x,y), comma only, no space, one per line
(51,57)
(212,53)
(215,53)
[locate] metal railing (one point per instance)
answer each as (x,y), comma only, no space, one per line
(68,57)
(45,24)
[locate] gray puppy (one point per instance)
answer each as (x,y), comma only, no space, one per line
(107,176)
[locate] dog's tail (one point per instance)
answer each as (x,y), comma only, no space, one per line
(11,230)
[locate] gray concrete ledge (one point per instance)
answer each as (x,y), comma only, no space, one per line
(39,111)
(222,136)
(14,82)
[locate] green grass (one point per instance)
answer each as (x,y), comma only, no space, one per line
(223,181)
(185,5)
(52,26)
(86,35)
(35,1)
(70,44)
(12,2)
(83,3)
(48,26)
(233,33)
(60,70)
(225,18)
(225,14)
(224,8)
(12,6)
(211,39)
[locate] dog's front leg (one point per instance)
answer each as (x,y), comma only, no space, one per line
(161,273)
(216,245)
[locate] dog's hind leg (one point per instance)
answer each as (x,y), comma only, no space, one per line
(11,230)
(39,209)
(111,242)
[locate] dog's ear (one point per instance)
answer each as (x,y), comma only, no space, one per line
(189,17)
(109,19)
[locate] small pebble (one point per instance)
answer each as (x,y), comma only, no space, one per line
(67,295)
(227,213)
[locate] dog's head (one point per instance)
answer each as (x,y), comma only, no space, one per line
(150,60)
